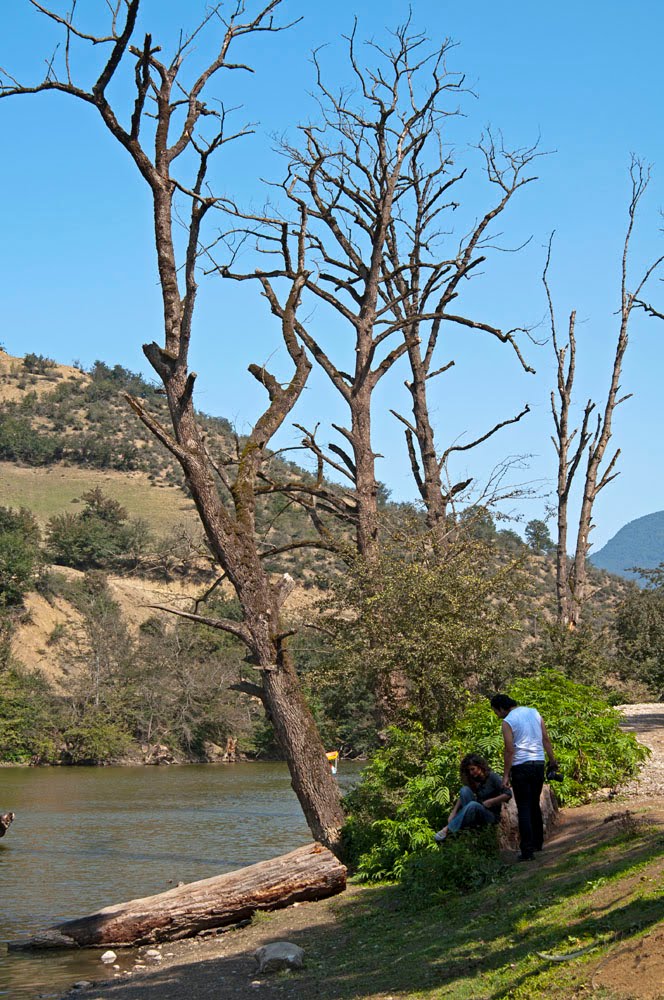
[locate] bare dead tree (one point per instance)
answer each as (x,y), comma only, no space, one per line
(591,445)
(172,124)
(423,283)
(375,182)
(348,176)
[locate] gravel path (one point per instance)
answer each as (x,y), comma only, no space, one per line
(647,723)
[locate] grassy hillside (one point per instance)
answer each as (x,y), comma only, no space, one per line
(64,432)
(69,441)
(50,490)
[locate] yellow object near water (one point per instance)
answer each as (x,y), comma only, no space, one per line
(333,757)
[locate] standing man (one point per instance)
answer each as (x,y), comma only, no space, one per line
(526,739)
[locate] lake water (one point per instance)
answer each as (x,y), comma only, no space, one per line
(84,838)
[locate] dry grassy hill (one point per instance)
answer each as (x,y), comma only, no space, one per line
(64,432)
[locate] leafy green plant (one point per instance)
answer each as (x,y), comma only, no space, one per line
(409,786)
(466,863)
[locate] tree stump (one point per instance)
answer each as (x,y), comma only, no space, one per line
(310,872)
(508,828)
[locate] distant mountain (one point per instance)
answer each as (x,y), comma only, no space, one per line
(639,543)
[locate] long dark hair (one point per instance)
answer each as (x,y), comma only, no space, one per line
(476,760)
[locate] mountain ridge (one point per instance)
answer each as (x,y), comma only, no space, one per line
(638,544)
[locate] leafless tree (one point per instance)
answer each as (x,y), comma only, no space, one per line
(373,180)
(575,446)
(422,286)
(173,124)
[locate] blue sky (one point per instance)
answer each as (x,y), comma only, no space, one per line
(77,263)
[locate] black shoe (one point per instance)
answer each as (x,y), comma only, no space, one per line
(526,857)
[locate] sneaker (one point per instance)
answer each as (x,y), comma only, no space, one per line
(440,836)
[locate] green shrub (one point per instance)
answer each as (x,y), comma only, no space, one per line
(100,537)
(20,556)
(95,739)
(28,725)
(38,364)
(465,863)
(409,786)
(19,442)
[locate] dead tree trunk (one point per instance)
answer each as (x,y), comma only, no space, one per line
(421,290)
(170,117)
(309,873)
(572,577)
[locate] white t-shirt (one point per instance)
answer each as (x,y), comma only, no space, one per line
(526,726)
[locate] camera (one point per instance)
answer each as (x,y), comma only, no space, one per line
(553,774)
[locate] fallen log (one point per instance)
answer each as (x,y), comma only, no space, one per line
(310,872)
(508,828)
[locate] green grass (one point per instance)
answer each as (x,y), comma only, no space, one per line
(485,945)
(49,491)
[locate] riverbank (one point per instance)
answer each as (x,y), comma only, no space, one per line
(592,899)
(596,890)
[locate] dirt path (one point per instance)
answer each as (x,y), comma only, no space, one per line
(222,965)
(647,722)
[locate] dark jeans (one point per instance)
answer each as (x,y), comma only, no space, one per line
(527,782)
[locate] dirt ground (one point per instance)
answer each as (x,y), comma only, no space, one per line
(222,965)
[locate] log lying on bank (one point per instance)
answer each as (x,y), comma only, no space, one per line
(309,873)
(508,828)
(6,820)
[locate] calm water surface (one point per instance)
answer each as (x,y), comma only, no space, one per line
(84,838)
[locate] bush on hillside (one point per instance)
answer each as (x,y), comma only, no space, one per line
(19,442)
(38,364)
(101,536)
(20,556)
(409,786)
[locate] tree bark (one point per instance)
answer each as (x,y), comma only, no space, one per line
(310,872)
(508,828)
(572,580)
(225,496)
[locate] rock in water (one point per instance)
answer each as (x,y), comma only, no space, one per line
(6,820)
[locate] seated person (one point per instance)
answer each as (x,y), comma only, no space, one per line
(480,799)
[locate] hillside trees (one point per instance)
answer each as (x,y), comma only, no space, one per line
(20,554)
(640,633)
(172,130)
(101,536)
(587,444)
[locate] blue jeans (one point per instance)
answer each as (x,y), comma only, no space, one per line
(471,814)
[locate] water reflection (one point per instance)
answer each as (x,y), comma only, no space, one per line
(85,838)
